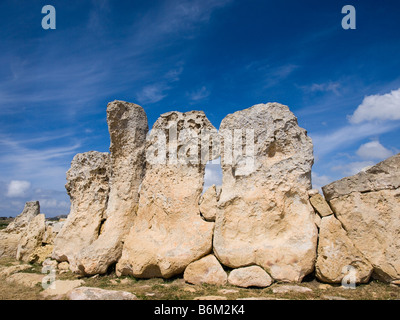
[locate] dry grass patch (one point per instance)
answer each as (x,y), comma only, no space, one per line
(177,289)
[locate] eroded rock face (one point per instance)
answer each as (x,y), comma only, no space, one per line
(368,205)
(127,123)
(264,216)
(11,236)
(169,232)
(88,188)
(337,255)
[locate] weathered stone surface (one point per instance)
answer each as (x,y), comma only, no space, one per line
(10,237)
(253,276)
(312,192)
(40,254)
(87,186)
(264,215)
(26,279)
(63,266)
(31,210)
(367,204)
(7,271)
(169,232)
(208,204)
(53,228)
(89,293)
(127,123)
(320,205)
(31,238)
(61,287)
(291,288)
(335,252)
(206,270)
(383,176)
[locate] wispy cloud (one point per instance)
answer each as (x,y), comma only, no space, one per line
(324,87)
(152,93)
(199,94)
(41,163)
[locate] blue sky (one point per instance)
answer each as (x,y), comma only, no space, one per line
(219,56)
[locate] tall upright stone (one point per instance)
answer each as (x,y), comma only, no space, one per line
(264,215)
(128,127)
(11,236)
(31,238)
(337,255)
(88,187)
(169,232)
(368,206)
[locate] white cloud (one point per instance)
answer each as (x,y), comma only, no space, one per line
(213,174)
(347,135)
(18,188)
(373,151)
(318,181)
(378,107)
(353,168)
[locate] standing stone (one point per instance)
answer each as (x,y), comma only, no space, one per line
(253,276)
(368,205)
(169,232)
(10,237)
(88,189)
(31,238)
(264,215)
(336,252)
(127,123)
(206,270)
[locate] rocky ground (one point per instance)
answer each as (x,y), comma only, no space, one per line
(19,281)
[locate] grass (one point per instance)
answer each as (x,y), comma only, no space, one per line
(4,223)
(177,289)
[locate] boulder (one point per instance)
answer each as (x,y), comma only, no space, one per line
(208,204)
(87,186)
(253,276)
(320,205)
(31,239)
(336,252)
(264,214)
(88,293)
(10,237)
(128,127)
(168,232)
(206,270)
(367,205)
